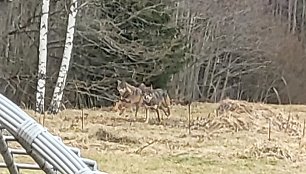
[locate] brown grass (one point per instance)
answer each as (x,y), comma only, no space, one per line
(228,137)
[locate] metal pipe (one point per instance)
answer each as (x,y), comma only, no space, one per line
(8,126)
(39,143)
(69,154)
(91,163)
(23,166)
(18,151)
(77,151)
(52,158)
(7,121)
(65,158)
(43,164)
(12,111)
(7,156)
(19,112)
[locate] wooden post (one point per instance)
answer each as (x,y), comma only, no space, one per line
(189,113)
(44,117)
(35,115)
(303,134)
(269,130)
(82,118)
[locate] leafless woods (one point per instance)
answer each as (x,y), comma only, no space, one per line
(196,49)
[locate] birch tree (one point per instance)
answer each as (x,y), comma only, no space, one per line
(40,93)
(61,80)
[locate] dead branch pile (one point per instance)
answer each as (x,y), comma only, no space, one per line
(269,149)
(234,115)
(104,135)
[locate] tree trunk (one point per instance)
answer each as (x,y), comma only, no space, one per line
(42,63)
(8,28)
(289,15)
(212,77)
(294,17)
(226,77)
(61,80)
(303,22)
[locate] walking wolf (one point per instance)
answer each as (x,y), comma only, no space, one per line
(157,99)
(130,95)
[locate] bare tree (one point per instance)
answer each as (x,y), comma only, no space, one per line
(61,80)
(42,63)
(294,16)
(239,49)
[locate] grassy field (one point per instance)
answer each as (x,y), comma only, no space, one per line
(233,141)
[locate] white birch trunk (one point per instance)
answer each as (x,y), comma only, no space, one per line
(42,62)
(61,80)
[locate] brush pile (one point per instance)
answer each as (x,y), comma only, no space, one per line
(269,150)
(233,115)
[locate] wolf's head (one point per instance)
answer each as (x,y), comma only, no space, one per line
(121,87)
(144,88)
(148,96)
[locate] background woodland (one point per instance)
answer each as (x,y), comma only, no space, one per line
(204,50)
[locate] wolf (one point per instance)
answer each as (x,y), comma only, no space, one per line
(121,105)
(130,95)
(157,99)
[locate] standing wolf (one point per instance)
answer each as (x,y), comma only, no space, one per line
(130,95)
(157,99)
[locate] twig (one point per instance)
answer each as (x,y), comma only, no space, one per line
(138,151)
(277,95)
(288,122)
(269,130)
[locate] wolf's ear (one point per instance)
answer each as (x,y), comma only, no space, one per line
(151,87)
(118,81)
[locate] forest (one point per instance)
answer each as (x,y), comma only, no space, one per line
(198,50)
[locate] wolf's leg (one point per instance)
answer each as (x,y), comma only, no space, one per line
(163,106)
(163,109)
(161,115)
(168,111)
(137,107)
(115,107)
(146,112)
(147,118)
(122,109)
(158,117)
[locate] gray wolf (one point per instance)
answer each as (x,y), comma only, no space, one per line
(121,105)
(129,96)
(157,99)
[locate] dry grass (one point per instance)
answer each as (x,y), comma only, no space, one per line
(229,137)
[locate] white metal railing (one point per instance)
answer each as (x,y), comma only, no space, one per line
(48,151)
